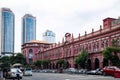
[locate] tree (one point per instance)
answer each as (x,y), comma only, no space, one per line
(66,64)
(19,58)
(81,59)
(60,63)
(46,63)
(38,63)
(12,59)
(5,62)
(115,43)
(110,53)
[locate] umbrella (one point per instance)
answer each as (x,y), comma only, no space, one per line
(16,64)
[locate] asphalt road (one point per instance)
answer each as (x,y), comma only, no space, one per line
(57,76)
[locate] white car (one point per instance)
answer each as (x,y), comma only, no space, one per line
(28,72)
(71,70)
(13,73)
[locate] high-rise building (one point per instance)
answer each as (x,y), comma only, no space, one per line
(6,31)
(49,36)
(28,28)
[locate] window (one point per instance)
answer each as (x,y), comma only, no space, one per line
(102,44)
(30,55)
(106,43)
(97,45)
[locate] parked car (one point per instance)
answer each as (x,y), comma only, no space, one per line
(95,72)
(82,71)
(54,71)
(110,70)
(27,72)
(71,70)
(13,72)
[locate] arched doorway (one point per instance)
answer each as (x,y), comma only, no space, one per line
(67,64)
(105,62)
(89,64)
(30,56)
(96,63)
(53,65)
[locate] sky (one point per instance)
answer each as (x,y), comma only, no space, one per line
(62,16)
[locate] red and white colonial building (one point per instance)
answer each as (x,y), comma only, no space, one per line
(70,47)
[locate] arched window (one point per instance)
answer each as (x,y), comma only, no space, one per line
(86,47)
(102,44)
(97,45)
(30,55)
(90,47)
(30,51)
(80,48)
(94,47)
(106,43)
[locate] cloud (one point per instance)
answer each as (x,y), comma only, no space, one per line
(61,16)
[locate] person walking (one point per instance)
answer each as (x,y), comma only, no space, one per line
(18,74)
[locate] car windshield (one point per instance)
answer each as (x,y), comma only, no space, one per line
(15,70)
(117,68)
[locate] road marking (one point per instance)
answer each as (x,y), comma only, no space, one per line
(67,79)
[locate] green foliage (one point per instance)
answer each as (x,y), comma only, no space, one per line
(115,60)
(38,63)
(76,60)
(6,61)
(110,53)
(44,63)
(107,53)
(20,59)
(81,59)
(60,61)
(115,43)
(27,66)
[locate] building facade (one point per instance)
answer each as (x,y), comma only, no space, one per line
(28,28)
(49,36)
(6,31)
(94,42)
(32,48)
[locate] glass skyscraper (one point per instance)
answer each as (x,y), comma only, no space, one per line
(6,31)
(28,28)
(49,36)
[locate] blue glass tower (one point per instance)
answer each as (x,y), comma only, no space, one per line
(6,31)
(28,28)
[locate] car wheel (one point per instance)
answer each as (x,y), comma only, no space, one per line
(20,77)
(104,74)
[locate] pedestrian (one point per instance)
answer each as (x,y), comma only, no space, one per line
(18,74)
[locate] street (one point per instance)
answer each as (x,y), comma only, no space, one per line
(57,76)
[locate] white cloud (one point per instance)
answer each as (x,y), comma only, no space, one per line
(61,16)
